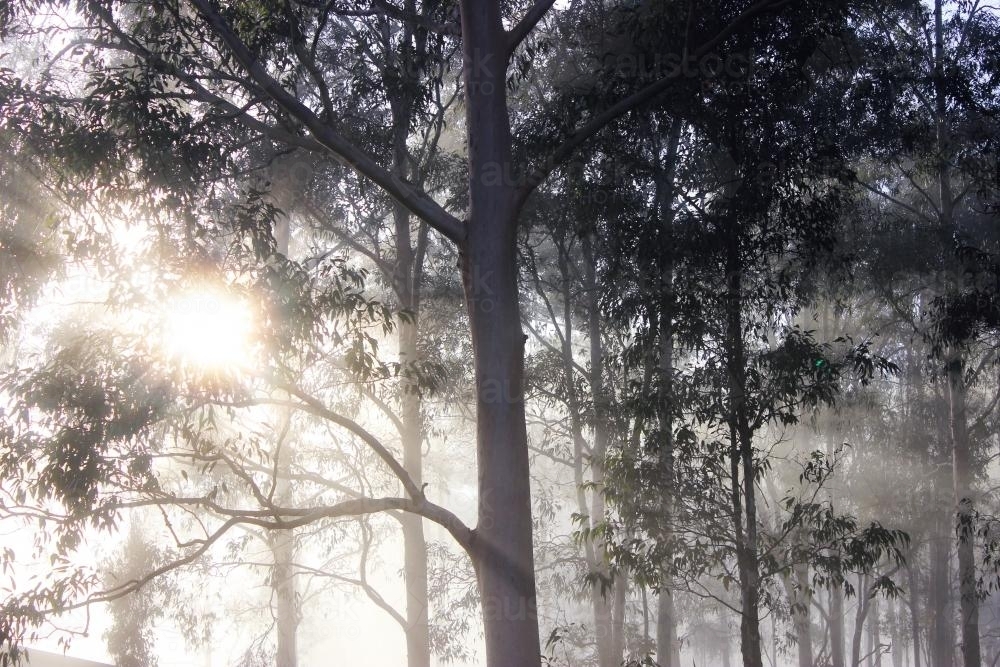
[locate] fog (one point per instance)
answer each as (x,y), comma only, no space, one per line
(516,334)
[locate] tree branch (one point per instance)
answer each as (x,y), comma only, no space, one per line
(520,32)
(413,198)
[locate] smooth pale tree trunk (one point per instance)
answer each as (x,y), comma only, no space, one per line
(896,635)
(667,646)
(282,542)
(860,615)
(912,390)
(969,604)
(774,640)
(406,284)
(285,604)
(799,598)
(876,636)
(800,616)
(744,502)
(414,544)
(836,618)
(502,547)
(837,626)
(606,621)
(618,626)
(941,640)
(646,639)
(870,641)
(965,530)
(939,600)
(914,605)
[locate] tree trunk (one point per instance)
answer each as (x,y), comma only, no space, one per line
(837,626)
(836,589)
(965,529)
(969,604)
(610,647)
(744,501)
(876,635)
(667,651)
(797,590)
(914,611)
(896,635)
(502,548)
(870,642)
(418,651)
(503,541)
(282,542)
(800,616)
(939,599)
(286,611)
(774,640)
(408,274)
(864,603)
(646,639)
(618,626)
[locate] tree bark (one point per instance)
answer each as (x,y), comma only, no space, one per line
(502,548)
(406,284)
(618,625)
(418,651)
(876,635)
(939,599)
(969,603)
(836,589)
(286,610)
(914,612)
(800,616)
(965,528)
(837,626)
(864,604)
(896,635)
(742,463)
(667,651)
(282,542)
(609,647)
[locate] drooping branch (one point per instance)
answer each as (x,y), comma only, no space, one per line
(288,518)
(316,408)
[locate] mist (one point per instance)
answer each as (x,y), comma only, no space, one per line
(514,334)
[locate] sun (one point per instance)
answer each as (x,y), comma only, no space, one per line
(209,330)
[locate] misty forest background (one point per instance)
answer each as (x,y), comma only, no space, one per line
(511,334)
